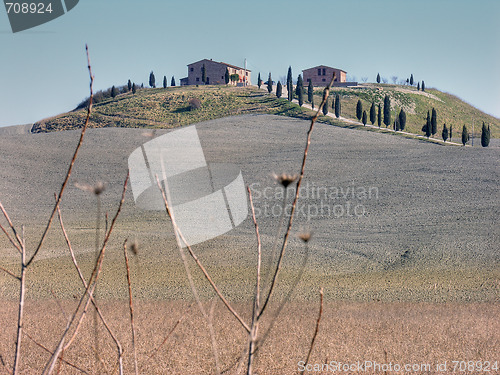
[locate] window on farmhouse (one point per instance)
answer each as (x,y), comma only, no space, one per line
(319,72)
(197,79)
(324,72)
(192,69)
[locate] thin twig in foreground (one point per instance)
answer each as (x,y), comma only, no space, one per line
(4,366)
(92,299)
(285,300)
(9,237)
(88,292)
(71,164)
(190,278)
(9,273)
(48,351)
(254,328)
(315,331)
(200,266)
(131,306)
(326,93)
(151,356)
(4,212)
(22,295)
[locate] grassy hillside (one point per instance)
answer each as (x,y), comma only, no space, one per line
(450,109)
(166,108)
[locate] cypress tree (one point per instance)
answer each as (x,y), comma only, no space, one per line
(465,135)
(364,118)
(129,85)
(310,93)
(300,85)
(259,81)
(434,122)
(269,84)
(289,83)
(152,82)
(325,107)
(387,111)
(113,91)
(418,86)
(444,134)
(226,77)
(379,115)
(337,105)
(203,74)
(451,132)
(301,96)
(172,81)
(372,113)
(402,119)
(289,76)
(423,86)
(359,110)
(427,128)
(164,82)
(134,89)
(279,89)
(378,77)
(485,136)
(411,79)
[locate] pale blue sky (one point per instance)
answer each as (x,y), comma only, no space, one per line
(454,45)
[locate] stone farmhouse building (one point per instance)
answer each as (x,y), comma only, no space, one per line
(215,73)
(321,75)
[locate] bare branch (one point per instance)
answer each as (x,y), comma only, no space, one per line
(48,351)
(4,366)
(151,356)
(316,330)
(71,164)
(131,306)
(9,237)
(256,305)
(296,281)
(200,266)
(10,273)
(326,93)
(20,316)
(92,299)
(88,292)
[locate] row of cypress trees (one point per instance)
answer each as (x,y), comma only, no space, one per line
(429,128)
(152,81)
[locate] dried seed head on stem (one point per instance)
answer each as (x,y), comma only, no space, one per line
(305,236)
(96,189)
(285,179)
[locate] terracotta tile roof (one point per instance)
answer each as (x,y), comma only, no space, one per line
(223,63)
(323,66)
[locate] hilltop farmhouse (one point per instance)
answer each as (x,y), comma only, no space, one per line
(215,73)
(320,76)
